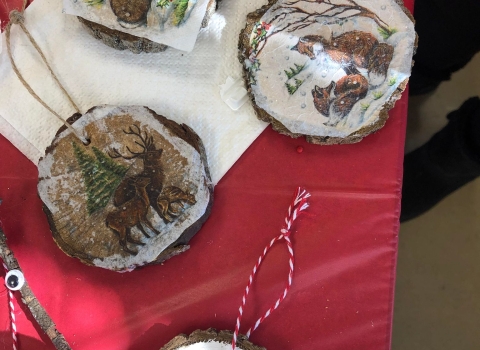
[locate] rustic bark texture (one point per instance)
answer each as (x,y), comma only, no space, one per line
(120,40)
(211,334)
(138,167)
(124,41)
(355,137)
(29,299)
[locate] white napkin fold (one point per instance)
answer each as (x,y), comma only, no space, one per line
(183,87)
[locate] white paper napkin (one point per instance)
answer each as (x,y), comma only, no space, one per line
(183,87)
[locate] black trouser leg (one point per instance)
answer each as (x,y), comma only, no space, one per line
(449,160)
(449,36)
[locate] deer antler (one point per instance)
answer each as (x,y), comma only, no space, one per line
(146,142)
(135,153)
(116,154)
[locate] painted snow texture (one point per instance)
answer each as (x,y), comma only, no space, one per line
(164,21)
(326,67)
(62,184)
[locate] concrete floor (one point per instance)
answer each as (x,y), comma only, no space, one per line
(437,302)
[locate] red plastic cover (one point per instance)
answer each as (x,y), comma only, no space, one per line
(345,246)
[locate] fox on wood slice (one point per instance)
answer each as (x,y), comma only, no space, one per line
(380,58)
(337,100)
(322,98)
(353,50)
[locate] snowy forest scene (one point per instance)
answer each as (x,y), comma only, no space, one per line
(327,67)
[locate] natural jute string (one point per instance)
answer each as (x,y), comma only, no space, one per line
(17,17)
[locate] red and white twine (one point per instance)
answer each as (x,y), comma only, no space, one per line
(298,204)
(11,307)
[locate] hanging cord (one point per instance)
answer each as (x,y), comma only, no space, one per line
(17,17)
(11,308)
(298,205)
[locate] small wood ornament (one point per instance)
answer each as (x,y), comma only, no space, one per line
(122,187)
(135,195)
(128,24)
(329,70)
(226,340)
(209,340)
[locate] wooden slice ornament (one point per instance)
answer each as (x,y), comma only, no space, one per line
(209,340)
(328,70)
(128,24)
(122,187)
(134,196)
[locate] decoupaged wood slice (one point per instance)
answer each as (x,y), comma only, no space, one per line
(131,14)
(209,340)
(135,195)
(328,70)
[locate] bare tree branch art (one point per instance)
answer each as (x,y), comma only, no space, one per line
(307,19)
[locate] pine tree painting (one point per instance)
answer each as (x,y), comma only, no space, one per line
(101,176)
(179,13)
(96,3)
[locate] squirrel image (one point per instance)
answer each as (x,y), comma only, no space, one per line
(352,51)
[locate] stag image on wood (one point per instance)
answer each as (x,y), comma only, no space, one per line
(162,202)
(327,69)
(134,196)
(132,213)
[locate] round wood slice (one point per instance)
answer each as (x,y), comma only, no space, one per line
(209,340)
(135,195)
(327,70)
(124,41)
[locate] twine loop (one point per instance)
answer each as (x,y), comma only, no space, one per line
(298,205)
(16,17)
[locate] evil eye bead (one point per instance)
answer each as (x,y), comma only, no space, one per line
(14,280)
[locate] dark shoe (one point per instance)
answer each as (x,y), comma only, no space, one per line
(449,160)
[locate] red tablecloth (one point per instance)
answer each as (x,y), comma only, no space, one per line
(346,248)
